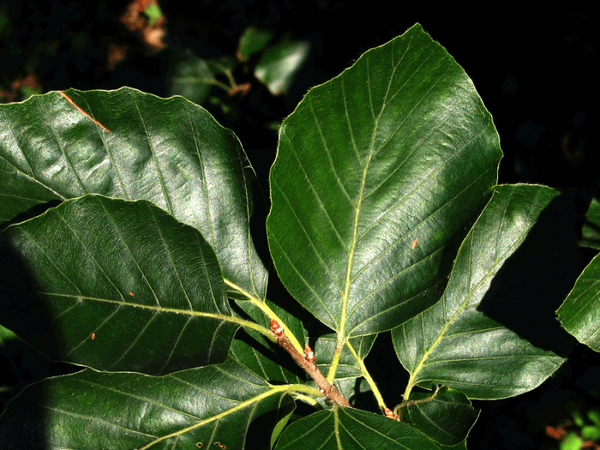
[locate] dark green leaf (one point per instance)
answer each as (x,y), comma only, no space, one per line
(493,334)
(91,410)
(378,170)
(349,429)
(580,313)
(590,232)
(115,285)
(170,152)
(446,416)
(190,76)
(252,41)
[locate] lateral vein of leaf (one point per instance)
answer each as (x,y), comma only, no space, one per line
(534,356)
(211,237)
(372,430)
(578,305)
(137,397)
(102,136)
(68,161)
(401,238)
(338,181)
(47,256)
(318,199)
(347,283)
(273,390)
(19,171)
(347,116)
(472,289)
(247,201)
(81,416)
(34,180)
(301,437)
(424,139)
(496,386)
(124,243)
(176,344)
(98,328)
(310,241)
(134,340)
(383,284)
(408,268)
(159,173)
(292,264)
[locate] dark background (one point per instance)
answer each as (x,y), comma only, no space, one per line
(536,70)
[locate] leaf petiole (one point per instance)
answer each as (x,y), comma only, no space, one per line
(268,312)
(367,376)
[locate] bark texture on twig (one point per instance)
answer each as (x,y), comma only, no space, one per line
(309,365)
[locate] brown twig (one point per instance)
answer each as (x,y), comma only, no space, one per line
(307,362)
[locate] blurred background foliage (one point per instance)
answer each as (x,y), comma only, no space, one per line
(250,63)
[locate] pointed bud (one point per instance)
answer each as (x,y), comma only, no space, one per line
(276,328)
(309,354)
(389,413)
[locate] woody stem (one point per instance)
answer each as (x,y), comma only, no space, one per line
(312,369)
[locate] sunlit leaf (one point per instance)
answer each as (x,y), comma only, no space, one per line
(493,334)
(580,313)
(377,174)
(115,285)
(349,429)
(125,411)
(170,152)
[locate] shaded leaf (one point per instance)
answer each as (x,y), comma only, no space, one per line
(446,416)
(493,334)
(170,152)
(208,405)
(252,41)
(279,64)
(348,429)
(190,76)
(590,232)
(580,312)
(377,171)
(115,285)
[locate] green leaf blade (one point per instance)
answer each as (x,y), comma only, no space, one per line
(580,312)
(377,171)
(349,429)
(488,337)
(170,152)
(115,285)
(207,405)
(447,416)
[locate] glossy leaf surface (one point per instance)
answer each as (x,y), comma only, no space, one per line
(580,313)
(115,285)
(377,171)
(349,429)
(170,152)
(446,416)
(493,334)
(215,404)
